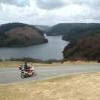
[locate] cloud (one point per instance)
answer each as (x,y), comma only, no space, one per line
(15,2)
(55,4)
(49,11)
(50,4)
(90,3)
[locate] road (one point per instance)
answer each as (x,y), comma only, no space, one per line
(12,75)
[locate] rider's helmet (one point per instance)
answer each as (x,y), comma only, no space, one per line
(25,65)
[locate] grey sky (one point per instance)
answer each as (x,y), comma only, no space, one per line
(15,2)
(49,12)
(50,4)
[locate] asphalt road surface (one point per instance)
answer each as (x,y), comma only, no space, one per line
(12,75)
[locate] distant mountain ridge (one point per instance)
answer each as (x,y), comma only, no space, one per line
(19,34)
(73,31)
(44,28)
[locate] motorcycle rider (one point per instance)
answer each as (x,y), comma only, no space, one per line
(27,70)
(33,67)
(26,66)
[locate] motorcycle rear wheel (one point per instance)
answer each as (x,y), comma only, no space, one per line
(22,75)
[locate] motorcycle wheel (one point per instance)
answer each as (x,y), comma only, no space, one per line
(34,74)
(22,75)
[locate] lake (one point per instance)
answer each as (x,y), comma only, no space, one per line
(51,50)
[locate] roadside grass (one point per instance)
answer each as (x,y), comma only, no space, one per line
(10,64)
(13,64)
(74,87)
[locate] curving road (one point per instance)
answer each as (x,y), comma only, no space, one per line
(12,75)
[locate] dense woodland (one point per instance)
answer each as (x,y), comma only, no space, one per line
(74,31)
(87,48)
(19,34)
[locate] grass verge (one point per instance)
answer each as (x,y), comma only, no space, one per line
(75,87)
(10,64)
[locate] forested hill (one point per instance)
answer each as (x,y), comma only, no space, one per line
(87,48)
(19,34)
(73,31)
(44,28)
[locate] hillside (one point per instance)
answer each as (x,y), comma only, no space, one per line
(19,34)
(84,40)
(74,31)
(87,48)
(44,28)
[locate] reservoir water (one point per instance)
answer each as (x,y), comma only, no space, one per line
(51,50)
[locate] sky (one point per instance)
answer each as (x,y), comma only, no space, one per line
(49,12)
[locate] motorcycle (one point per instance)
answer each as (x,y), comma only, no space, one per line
(29,72)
